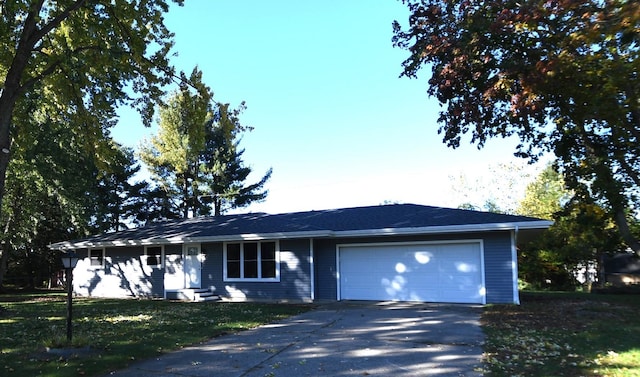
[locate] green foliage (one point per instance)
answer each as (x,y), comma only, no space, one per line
(65,67)
(545,196)
(225,170)
(118,200)
(118,332)
(562,76)
(195,158)
(581,234)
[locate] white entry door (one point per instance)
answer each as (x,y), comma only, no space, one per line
(192,266)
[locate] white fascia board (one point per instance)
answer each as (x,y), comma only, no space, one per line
(181,240)
(541,224)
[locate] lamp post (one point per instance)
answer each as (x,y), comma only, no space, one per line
(69,261)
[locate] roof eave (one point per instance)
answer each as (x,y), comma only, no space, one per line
(466,228)
(184,240)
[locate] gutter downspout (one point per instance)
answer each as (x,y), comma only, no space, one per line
(312,275)
(514,269)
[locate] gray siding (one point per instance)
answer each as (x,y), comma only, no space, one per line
(498,268)
(295,276)
(324,256)
(124,275)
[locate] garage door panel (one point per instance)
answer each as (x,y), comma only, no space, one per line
(420,272)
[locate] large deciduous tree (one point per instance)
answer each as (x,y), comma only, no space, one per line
(173,155)
(74,62)
(545,196)
(561,75)
(83,58)
(195,159)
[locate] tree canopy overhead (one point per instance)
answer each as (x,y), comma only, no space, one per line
(76,61)
(561,75)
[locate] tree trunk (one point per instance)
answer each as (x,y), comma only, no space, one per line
(612,188)
(6,109)
(4,257)
(620,218)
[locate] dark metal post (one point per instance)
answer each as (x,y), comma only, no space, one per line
(69,305)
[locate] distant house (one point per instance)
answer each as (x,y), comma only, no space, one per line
(622,269)
(400,252)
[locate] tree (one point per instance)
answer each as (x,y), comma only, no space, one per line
(173,155)
(76,61)
(226,173)
(82,59)
(119,199)
(195,159)
(545,196)
(582,232)
(45,203)
(561,75)
(499,191)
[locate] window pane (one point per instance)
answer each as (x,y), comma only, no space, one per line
(268,269)
(251,251)
(233,252)
(233,269)
(251,269)
(95,257)
(154,256)
(268,250)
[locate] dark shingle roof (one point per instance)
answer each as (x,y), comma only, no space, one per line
(374,220)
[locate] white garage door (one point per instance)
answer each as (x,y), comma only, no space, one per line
(435,272)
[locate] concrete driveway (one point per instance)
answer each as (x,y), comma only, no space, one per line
(340,339)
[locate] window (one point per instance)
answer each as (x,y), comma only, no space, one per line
(153,256)
(96,258)
(252,261)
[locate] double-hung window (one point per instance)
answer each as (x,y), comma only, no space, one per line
(252,261)
(153,256)
(96,258)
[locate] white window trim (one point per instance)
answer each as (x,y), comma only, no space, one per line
(102,249)
(161,265)
(262,280)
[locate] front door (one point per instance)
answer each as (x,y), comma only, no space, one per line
(192,266)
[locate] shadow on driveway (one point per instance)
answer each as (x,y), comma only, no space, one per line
(340,339)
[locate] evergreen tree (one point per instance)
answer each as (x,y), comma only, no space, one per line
(223,165)
(195,159)
(119,199)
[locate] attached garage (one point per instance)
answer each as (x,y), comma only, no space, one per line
(432,272)
(399,252)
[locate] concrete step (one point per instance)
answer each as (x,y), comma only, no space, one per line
(196,294)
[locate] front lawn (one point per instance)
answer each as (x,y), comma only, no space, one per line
(118,332)
(564,334)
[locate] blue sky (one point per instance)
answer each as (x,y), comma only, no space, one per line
(330,114)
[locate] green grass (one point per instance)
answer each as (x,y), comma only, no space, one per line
(119,331)
(564,334)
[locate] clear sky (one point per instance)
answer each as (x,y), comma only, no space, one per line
(331,115)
